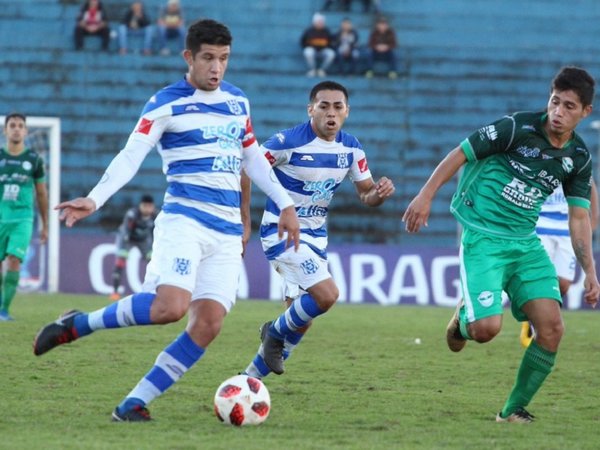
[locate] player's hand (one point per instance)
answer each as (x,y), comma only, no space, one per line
(43,235)
(592,291)
(288,222)
(75,210)
(384,188)
(417,213)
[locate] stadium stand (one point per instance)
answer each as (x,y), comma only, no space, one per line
(462,64)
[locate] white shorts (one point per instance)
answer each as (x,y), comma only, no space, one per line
(560,251)
(300,270)
(195,258)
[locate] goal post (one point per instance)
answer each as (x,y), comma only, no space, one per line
(44,136)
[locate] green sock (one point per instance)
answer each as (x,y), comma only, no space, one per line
(11,281)
(537,363)
(463,324)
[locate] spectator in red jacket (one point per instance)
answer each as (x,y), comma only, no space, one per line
(92,21)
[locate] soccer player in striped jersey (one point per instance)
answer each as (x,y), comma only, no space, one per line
(553,229)
(311,160)
(201,127)
(511,166)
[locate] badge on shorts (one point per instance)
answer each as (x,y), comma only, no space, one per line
(182,266)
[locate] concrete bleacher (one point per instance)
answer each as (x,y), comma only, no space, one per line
(463,64)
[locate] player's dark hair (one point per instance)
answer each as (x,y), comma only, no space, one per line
(206,31)
(12,116)
(571,78)
(146,198)
(327,86)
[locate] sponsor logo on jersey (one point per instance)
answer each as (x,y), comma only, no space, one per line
(486,299)
(228,136)
(528,127)
(280,137)
(322,190)
(528,152)
(342,160)
(521,194)
(270,158)
(548,180)
(309,266)
(567,164)
(227,164)
(192,108)
(362,165)
(521,168)
(489,132)
(311,211)
(307,158)
(145,126)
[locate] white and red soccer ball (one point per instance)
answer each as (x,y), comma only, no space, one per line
(242,400)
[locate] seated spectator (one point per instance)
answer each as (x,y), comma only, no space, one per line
(345,5)
(316,43)
(171,26)
(92,21)
(135,22)
(345,43)
(382,43)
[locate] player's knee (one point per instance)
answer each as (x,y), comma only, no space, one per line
(485,333)
(550,333)
(168,311)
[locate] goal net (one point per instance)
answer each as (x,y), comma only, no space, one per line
(40,269)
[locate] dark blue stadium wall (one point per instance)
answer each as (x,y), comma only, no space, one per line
(462,64)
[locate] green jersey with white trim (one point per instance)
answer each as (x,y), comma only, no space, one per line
(511,168)
(18,174)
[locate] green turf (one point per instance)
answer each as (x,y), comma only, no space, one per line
(358,381)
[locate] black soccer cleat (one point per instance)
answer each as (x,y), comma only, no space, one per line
(56,333)
(272,350)
(521,415)
(138,413)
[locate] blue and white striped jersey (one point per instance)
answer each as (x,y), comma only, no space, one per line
(200,136)
(554,215)
(310,169)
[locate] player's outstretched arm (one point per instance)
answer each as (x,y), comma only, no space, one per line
(288,222)
(75,210)
(418,210)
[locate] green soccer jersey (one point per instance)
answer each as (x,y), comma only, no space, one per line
(18,174)
(511,168)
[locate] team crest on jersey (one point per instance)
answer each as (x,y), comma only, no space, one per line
(567,164)
(182,266)
(27,165)
(342,160)
(234,107)
(309,266)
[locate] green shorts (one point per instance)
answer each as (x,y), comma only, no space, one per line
(490,265)
(15,237)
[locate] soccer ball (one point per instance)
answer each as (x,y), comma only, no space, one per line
(242,400)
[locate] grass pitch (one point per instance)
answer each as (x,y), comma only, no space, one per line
(359,380)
